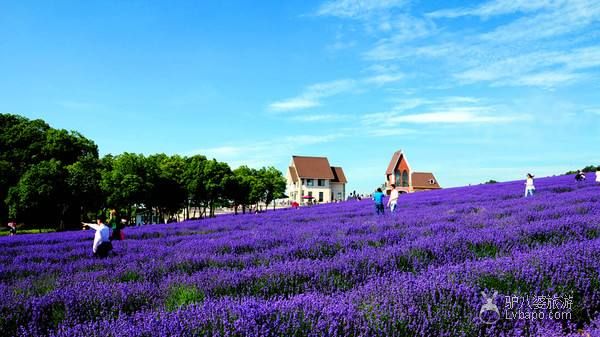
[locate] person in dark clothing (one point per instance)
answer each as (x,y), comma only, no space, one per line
(12,225)
(115,225)
(378,198)
(580,176)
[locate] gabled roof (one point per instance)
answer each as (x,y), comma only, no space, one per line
(424,180)
(339,176)
(312,167)
(293,174)
(394,162)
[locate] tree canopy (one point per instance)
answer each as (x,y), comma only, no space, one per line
(55,177)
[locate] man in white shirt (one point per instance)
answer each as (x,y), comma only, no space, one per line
(102,244)
(393,198)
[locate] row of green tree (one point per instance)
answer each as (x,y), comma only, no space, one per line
(587,169)
(54,177)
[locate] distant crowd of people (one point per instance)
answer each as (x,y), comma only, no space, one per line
(379,196)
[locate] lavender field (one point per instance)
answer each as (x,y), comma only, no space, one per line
(328,270)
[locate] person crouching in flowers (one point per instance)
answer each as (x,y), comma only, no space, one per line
(529,187)
(378,198)
(101,245)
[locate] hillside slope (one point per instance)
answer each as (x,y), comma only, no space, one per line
(327,270)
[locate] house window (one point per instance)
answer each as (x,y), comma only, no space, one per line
(320,196)
(310,194)
(309,182)
(397,181)
(405,178)
(321,182)
(431,181)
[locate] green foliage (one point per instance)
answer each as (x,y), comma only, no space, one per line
(54,176)
(42,171)
(181,295)
(130,276)
(589,168)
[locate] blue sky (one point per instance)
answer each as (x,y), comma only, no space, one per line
(469,90)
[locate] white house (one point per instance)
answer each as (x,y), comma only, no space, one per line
(314,177)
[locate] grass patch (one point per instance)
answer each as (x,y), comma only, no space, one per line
(483,249)
(130,276)
(181,295)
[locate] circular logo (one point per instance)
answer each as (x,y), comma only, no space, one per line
(486,313)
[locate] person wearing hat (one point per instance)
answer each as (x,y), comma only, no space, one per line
(102,244)
(529,187)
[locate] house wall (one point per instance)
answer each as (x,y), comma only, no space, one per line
(338,190)
(391,179)
(400,167)
(315,189)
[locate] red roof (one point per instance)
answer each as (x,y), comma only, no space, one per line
(339,176)
(293,174)
(394,162)
(424,180)
(313,167)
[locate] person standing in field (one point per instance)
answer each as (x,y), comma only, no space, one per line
(598,175)
(580,176)
(101,245)
(529,187)
(393,198)
(115,225)
(12,225)
(378,198)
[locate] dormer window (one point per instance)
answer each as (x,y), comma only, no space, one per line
(431,182)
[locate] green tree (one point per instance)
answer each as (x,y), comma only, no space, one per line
(193,181)
(124,182)
(27,148)
(215,175)
(165,181)
(41,194)
(273,182)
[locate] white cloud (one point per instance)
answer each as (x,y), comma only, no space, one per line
(316,118)
(456,116)
(542,69)
(382,79)
(442,111)
(357,8)
(547,79)
(295,103)
(312,94)
(311,97)
(263,153)
(593,110)
(389,131)
(498,7)
(570,18)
